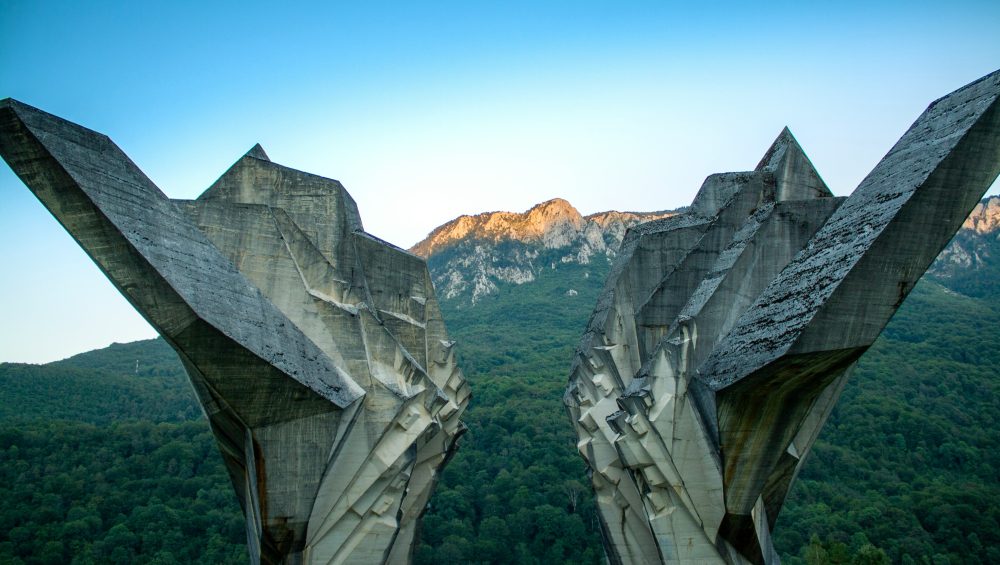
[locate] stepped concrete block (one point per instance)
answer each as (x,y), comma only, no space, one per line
(724,336)
(317,351)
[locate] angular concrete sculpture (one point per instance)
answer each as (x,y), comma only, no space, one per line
(724,335)
(317,351)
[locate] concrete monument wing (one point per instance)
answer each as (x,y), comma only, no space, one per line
(724,335)
(317,351)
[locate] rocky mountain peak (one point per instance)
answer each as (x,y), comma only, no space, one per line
(552,223)
(985,217)
(463,252)
(550,214)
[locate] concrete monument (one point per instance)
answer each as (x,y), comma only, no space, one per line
(724,335)
(317,351)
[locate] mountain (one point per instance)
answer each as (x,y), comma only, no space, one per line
(970,264)
(985,218)
(471,255)
(105,457)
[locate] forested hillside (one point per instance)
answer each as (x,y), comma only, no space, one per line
(910,458)
(105,457)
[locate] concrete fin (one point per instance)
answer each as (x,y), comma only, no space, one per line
(160,261)
(747,192)
(877,244)
(758,252)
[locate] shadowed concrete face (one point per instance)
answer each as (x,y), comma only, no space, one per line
(317,351)
(724,336)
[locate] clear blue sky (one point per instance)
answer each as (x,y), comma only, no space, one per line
(426,111)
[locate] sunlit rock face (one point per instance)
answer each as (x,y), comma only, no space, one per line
(472,256)
(724,336)
(973,252)
(317,351)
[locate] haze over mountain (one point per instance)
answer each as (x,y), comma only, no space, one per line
(105,457)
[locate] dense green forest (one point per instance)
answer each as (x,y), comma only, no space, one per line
(910,458)
(105,457)
(106,461)
(128,492)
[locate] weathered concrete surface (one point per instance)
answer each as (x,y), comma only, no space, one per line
(317,351)
(724,337)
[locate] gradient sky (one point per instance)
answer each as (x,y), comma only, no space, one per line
(426,111)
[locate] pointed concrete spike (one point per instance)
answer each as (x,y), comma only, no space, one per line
(776,151)
(257,152)
(796,177)
(254,179)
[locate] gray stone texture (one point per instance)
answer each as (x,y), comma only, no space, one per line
(317,351)
(724,336)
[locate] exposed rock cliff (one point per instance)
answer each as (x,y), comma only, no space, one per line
(974,253)
(985,217)
(470,255)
